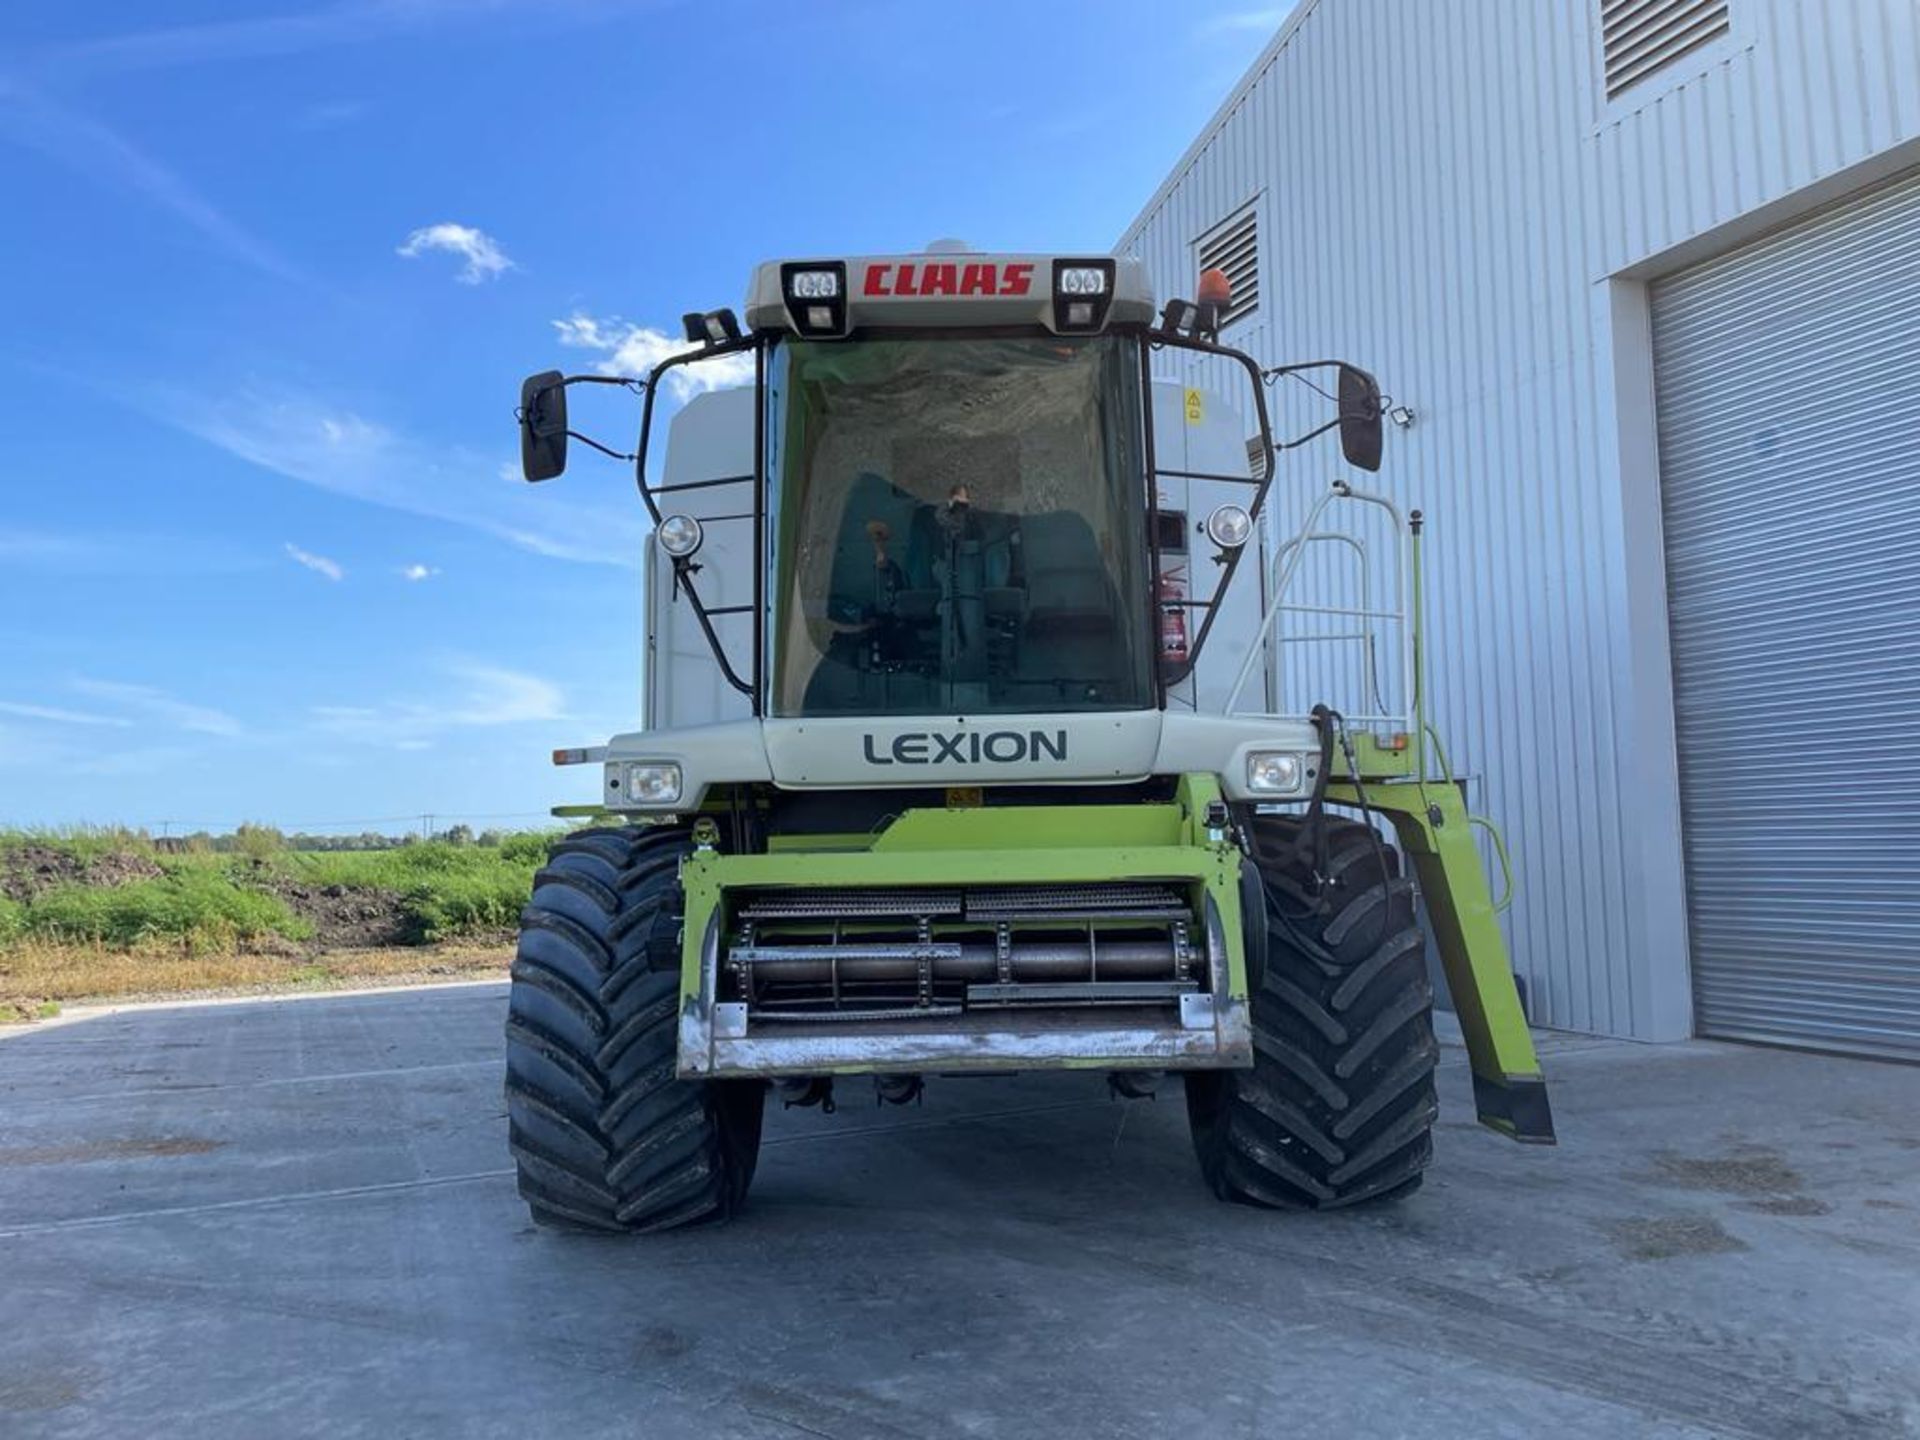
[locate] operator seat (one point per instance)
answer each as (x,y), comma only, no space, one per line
(868,603)
(1069,589)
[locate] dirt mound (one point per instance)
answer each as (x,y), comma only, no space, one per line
(347,918)
(30,870)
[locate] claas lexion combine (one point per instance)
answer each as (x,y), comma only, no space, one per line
(965,750)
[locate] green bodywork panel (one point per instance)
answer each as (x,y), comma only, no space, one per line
(1168,841)
(1430,821)
(1009,844)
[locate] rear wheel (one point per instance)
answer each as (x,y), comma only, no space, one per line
(603,1135)
(1339,1105)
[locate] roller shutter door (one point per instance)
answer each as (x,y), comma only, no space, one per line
(1788,384)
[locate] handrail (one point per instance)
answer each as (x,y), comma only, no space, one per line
(1267,641)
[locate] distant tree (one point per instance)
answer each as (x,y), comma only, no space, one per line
(259,843)
(458,835)
(490,838)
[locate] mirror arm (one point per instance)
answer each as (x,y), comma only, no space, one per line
(630,382)
(1310,435)
(603,449)
(531,414)
(1294,369)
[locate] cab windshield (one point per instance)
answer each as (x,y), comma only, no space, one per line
(958,527)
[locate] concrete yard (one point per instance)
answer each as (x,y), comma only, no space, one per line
(295,1217)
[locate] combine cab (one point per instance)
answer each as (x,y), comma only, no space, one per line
(967,750)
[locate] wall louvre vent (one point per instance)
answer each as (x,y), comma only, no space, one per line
(1643,37)
(1234,246)
(1258,457)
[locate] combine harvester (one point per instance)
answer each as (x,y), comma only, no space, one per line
(965,751)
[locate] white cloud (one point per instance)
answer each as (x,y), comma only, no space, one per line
(319,564)
(635,349)
(105,156)
(485,259)
(155,704)
(495,695)
(480,696)
(331,113)
(120,554)
(1268,19)
(417,571)
(306,439)
(43,750)
(295,32)
(44,545)
(57,716)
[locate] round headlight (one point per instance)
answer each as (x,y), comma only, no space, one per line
(680,535)
(1229,527)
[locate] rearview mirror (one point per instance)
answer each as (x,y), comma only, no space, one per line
(543,425)
(1359,418)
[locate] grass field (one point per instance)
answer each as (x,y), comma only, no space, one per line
(101,914)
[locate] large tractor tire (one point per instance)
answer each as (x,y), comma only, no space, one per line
(604,1136)
(1339,1105)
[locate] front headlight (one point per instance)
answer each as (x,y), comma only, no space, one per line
(643,784)
(1274,772)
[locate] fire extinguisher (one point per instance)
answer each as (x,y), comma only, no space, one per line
(1173,613)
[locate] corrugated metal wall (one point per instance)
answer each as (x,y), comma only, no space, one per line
(1789,379)
(1443,194)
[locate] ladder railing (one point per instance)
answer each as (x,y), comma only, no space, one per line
(1273,635)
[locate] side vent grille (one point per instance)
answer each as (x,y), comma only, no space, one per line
(1234,246)
(1258,458)
(1642,37)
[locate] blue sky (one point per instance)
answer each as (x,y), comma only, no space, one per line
(271,284)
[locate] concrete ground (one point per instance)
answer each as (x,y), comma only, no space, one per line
(295,1218)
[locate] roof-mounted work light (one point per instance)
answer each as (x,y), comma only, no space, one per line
(712,327)
(816,296)
(1177,317)
(1082,292)
(1201,320)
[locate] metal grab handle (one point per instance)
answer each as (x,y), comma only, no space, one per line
(1507,884)
(1286,565)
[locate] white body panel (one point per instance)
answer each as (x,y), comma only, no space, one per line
(712,436)
(696,719)
(1201,431)
(844,753)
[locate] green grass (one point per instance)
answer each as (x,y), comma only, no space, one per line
(195,905)
(445,890)
(209,899)
(87,842)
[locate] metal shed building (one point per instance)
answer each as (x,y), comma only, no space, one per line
(1647,275)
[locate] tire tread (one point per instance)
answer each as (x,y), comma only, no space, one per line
(1339,1106)
(605,1136)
